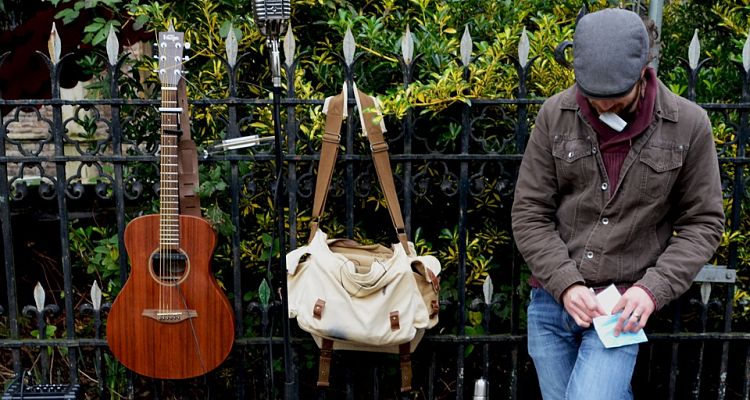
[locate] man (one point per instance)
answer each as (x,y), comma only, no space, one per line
(597,203)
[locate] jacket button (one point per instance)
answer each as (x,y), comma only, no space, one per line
(570,155)
(605,186)
(589,254)
(605,221)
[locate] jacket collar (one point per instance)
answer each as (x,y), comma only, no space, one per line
(665,107)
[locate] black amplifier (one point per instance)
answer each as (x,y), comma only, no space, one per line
(53,391)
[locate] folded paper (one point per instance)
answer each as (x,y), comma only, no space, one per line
(605,324)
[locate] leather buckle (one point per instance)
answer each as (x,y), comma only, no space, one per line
(395,325)
(318,308)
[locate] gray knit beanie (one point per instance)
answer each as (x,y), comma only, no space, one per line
(610,48)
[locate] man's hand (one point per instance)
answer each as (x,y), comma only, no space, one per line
(636,306)
(580,302)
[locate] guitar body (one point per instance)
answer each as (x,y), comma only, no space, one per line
(170,329)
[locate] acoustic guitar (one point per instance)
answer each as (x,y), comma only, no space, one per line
(171,320)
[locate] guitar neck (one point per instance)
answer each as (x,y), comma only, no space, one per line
(169,203)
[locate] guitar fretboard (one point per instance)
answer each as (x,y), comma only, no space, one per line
(169,190)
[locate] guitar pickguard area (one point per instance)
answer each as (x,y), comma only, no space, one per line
(171,316)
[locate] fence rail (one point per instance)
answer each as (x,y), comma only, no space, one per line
(48,180)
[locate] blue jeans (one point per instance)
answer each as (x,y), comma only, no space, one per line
(571,362)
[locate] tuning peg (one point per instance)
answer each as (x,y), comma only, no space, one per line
(185,58)
(187,45)
(154,48)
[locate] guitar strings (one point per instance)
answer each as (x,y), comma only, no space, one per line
(169,230)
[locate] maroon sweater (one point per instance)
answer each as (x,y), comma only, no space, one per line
(614,146)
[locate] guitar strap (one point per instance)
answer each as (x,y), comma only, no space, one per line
(187,161)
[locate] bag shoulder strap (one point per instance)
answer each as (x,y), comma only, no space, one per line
(328,153)
(368,111)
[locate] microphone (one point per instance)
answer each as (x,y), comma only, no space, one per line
(271,17)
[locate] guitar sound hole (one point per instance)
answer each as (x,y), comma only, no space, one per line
(169,267)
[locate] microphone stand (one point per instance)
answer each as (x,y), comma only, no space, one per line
(290,386)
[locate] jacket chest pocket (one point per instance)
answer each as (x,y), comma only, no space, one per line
(574,162)
(661,162)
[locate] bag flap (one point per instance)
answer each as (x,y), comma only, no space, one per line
(366,272)
(293,258)
(429,262)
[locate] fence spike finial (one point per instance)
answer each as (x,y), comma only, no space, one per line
(264,293)
(487,289)
(746,53)
(96,296)
(39,296)
(113,46)
(694,51)
(290,46)
(349,47)
(523,48)
(466,47)
(407,46)
(231,46)
(705,292)
(53,45)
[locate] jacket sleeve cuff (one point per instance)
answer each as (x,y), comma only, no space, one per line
(650,295)
(563,278)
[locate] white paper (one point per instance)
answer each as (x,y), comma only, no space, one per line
(605,324)
(608,298)
(613,121)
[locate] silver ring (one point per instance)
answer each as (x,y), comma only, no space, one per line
(636,316)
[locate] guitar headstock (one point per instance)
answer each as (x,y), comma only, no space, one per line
(171,45)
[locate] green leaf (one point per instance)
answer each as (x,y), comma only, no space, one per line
(93,27)
(99,37)
(67,15)
(266,238)
(220,220)
(140,21)
(50,330)
(475,318)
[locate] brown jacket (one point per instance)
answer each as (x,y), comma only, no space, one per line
(657,230)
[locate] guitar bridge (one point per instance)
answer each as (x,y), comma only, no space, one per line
(170,317)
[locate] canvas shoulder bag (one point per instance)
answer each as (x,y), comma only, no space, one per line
(351,296)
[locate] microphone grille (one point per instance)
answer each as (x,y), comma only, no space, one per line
(272,9)
(271,16)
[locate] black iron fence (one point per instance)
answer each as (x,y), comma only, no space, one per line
(53,177)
